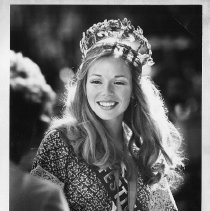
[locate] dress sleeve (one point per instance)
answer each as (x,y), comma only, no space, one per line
(161,197)
(51,159)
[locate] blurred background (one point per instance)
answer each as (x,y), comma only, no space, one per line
(50,35)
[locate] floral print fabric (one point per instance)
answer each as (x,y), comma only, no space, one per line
(88,188)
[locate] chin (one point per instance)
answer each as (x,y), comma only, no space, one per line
(109,117)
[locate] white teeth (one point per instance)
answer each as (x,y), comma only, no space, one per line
(106,104)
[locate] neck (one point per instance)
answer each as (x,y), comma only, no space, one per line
(115,129)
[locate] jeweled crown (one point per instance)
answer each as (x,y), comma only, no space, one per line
(121,37)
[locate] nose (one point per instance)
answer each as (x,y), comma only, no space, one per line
(108,88)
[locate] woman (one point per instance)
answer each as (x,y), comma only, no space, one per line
(114,148)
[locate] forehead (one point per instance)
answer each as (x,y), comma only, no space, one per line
(109,66)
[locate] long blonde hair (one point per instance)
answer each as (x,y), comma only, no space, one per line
(146,116)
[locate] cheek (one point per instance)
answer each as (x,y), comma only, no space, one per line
(126,99)
(126,94)
(91,93)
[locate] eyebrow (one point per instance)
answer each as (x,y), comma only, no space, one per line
(117,76)
(96,75)
(120,76)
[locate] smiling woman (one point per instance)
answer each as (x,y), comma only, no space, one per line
(114,148)
(109,86)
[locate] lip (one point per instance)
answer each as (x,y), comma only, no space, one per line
(107,105)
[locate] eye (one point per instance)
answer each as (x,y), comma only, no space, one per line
(95,82)
(120,83)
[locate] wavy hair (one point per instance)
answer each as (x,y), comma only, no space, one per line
(146,116)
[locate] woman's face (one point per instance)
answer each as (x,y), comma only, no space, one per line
(109,87)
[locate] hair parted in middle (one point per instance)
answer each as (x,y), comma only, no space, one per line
(146,116)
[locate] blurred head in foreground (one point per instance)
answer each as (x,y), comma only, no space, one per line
(31,103)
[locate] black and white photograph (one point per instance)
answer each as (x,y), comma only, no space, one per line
(105,106)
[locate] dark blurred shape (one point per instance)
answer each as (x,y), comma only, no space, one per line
(28,193)
(31,104)
(31,100)
(187,17)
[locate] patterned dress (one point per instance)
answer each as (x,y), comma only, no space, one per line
(89,188)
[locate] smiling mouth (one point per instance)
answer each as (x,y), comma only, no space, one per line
(107,105)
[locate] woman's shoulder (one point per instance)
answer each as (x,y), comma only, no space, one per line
(53,138)
(58,141)
(52,143)
(53,155)
(58,138)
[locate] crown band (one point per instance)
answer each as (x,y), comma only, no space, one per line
(120,38)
